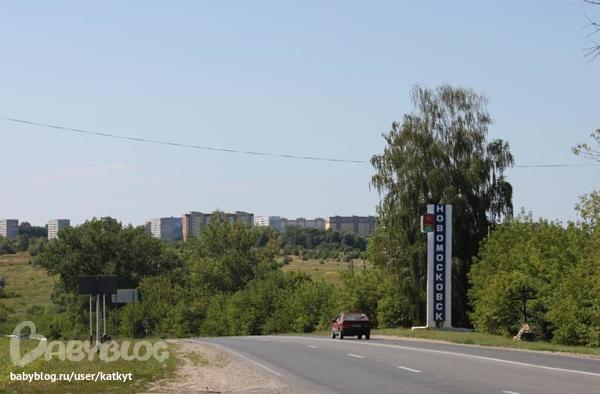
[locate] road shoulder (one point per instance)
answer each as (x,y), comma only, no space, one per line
(205,368)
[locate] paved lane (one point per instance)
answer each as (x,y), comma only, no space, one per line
(317,364)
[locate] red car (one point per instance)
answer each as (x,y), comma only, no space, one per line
(350,324)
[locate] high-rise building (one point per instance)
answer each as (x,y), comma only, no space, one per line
(277,222)
(241,217)
(167,229)
(361,225)
(192,222)
(318,223)
(9,228)
(55,225)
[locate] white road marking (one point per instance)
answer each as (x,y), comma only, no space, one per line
(312,346)
(408,369)
(498,360)
(355,355)
(240,356)
(511,392)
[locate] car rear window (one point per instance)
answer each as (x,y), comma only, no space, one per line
(355,316)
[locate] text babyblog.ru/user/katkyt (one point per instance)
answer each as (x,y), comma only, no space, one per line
(71,377)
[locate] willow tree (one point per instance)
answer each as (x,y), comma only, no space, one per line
(438,154)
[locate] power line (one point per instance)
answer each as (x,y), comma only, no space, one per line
(238,151)
(161,142)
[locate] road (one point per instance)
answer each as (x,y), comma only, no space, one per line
(323,365)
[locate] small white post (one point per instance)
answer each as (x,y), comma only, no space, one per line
(98,321)
(91,325)
(104,313)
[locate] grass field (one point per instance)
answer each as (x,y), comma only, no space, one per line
(329,270)
(26,285)
(475,338)
(143,372)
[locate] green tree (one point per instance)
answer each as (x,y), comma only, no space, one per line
(589,209)
(103,247)
(25,228)
(438,154)
(227,256)
(360,291)
(23,243)
(536,255)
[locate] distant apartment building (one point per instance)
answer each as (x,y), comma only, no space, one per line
(192,222)
(241,217)
(277,222)
(167,229)
(360,225)
(148,227)
(55,225)
(318,223)
(9,228)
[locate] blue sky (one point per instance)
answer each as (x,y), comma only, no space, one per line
(316,78)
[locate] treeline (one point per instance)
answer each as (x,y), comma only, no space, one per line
(226,282)
(312,243)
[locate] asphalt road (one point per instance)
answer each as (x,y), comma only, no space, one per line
(323,365)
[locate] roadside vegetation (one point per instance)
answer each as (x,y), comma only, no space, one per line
(482,339)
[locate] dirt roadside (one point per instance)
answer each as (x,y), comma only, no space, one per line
(208,369)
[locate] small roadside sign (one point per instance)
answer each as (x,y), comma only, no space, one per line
(125,296)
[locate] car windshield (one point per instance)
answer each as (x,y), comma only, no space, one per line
(355,316)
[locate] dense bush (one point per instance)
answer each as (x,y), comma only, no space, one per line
(575,312)
(279,302)
(36,245)
(6,246)
(394,309)
(540,256)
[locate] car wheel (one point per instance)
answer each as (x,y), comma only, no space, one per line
(332,334)
(368,336)
(341,334)
(359,336)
